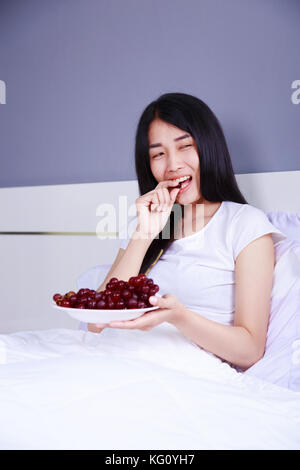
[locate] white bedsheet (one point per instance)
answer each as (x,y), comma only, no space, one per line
(122,389)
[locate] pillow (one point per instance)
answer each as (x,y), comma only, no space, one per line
(287,222)
(280,364)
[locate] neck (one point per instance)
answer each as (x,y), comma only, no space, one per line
(194,211)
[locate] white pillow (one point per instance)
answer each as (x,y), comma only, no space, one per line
(281,362)
(287,222)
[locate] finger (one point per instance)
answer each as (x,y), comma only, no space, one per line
(155,201)
(167,199)
(160,198)
(144,321)
(173,194)
(127,326)
(167,184)
(163,199)
(93,328)
(145,199)
(122,324)
(166,301)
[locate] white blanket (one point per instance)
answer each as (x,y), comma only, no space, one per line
(123,389)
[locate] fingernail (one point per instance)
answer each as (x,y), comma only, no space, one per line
(153,300)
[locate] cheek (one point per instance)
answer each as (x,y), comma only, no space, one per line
(157,171)
(194,160)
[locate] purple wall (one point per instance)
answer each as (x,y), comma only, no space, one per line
(78,74)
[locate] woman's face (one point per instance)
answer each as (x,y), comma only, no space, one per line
(173,153)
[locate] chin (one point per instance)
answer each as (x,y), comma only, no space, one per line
(188,198)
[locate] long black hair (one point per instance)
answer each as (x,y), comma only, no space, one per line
(217,178)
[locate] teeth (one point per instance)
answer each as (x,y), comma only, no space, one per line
(183,178)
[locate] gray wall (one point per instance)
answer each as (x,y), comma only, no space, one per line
(79,73)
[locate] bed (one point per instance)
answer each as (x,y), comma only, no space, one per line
(64,388)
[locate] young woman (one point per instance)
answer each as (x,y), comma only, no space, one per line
(216,267)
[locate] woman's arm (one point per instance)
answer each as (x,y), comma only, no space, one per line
(129,262)
(126,264)
(242,344)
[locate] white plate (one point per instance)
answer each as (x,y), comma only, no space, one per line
(103,316)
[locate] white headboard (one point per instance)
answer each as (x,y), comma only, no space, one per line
(48,238)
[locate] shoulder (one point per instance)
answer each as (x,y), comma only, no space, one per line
(247,212)
(248,223)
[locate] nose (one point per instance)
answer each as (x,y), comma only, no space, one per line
(174,163)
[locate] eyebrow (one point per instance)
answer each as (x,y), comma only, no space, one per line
(184,136)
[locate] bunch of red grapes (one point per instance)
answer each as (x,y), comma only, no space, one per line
(118,295)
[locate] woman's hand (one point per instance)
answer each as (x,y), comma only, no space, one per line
(154,208)
(170,311)
(97,327)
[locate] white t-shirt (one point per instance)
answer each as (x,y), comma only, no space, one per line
(200,269)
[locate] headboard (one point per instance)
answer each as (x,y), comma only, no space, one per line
(48,238)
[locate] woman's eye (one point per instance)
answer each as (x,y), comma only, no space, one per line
(161,153)
(157,155)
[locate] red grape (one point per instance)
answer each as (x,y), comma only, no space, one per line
(132,281)
(132,303)
(126,294)
(145,289)
(137,282)
(143,297)
(73,300)
(152,291)
(120,305)
(69,294)
(80,306)
(110,286)
(118,294)
(121,285)
(101,304)
(110,305)
(98,296)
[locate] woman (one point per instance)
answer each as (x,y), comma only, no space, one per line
(219,258)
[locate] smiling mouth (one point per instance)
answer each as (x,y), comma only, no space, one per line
(185,182)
